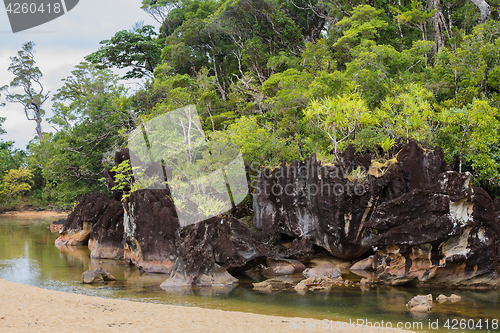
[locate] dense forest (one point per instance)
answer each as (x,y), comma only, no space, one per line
(281,79)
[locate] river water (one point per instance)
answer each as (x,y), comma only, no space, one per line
(28,256)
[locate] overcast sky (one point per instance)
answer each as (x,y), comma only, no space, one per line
(60,45)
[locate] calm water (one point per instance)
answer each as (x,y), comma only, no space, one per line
(28,256)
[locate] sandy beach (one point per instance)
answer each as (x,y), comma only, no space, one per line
(31,309)
(31,214)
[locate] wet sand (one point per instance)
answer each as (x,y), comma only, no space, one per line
(31,309)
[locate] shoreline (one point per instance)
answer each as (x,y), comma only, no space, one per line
(35,214)
(43,310)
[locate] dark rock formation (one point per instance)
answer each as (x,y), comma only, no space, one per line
(151,225)
(301,249)
(207,249)
(309,201)
(98,275)
(426,224)
(77,227)
(107,234)
(442,234)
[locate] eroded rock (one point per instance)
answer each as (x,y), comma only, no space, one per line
(279,267)
(304,200)
(328,270)
(454,298)
(151,224)
(420,303)
(274,284)
(315,283)
(212,248)
(426,223)
(77,227)
(98,275)
(301,249)
(107,234)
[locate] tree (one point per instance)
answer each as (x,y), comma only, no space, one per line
(10,158)
(416,17)
(338,117)
(364,24)
(139,49)
(470,132)
(14,183)
(159,9)
(408,113)
(484,8)
(27,77)
(93,114)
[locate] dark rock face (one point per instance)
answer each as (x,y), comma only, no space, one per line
(107,234)
(208,250)
(309,201)
(441,235)
(77,227)
(426,224)
(98,275)
(151,225)
(302,249)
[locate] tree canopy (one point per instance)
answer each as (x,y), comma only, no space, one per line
(282,80)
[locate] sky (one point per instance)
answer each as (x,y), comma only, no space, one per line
(60,45)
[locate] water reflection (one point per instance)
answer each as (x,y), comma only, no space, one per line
(28,256)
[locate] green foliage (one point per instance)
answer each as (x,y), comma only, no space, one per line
(339,117)
(277,79)
(125,181)
(408,114)
(10,158)
(92,111)
(470,132)
(417,16)
(358,175)
(258,145)
(139,49)
(363,24)
(15,183)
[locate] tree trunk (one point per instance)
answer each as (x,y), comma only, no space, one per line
(39,128)
(484,8)
(437,29)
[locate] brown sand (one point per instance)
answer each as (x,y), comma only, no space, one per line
(29,214)
(31,309)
